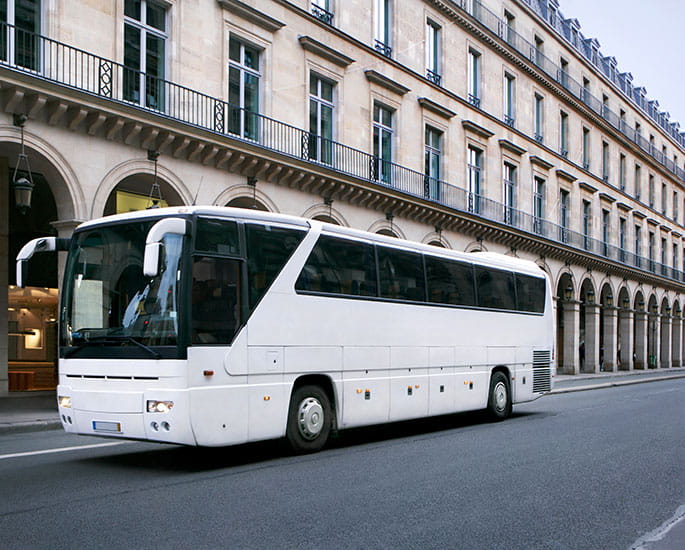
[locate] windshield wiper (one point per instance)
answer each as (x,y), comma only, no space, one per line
(110,340)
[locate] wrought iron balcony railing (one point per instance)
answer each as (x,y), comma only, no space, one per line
(322,14)
(48,60)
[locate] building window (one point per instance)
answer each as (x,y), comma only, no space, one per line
(650,251)
(20,26)
(474,78)
(587,224)
(509,99)
(433,52)
(320,119)
(563,72)
(664,254)
(475,166)
(144,52)
(586,148)
(638,248)
(382,41)
(622,172)
(638,185)
(586,90)
(382,142)
(651,191)
(539,51)
(432,161)
(563,133)
(605,105)
(243,88)
(538,113)
(605,161)
(563,215)
(323,10)
(510,30)
(538,204)
(510,216)
(606,219)
(675,206)
(622,239)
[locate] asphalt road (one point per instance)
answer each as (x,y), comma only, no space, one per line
(594,469)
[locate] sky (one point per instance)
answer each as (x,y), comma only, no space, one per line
(647,38)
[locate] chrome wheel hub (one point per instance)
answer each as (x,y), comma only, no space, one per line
(310,418)
(500,394)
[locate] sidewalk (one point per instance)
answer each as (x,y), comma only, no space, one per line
(36,411)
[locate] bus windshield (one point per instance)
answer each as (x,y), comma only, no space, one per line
(109,302)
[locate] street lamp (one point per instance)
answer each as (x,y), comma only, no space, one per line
(610,299)
(568,293)
(590,296)
(22,186)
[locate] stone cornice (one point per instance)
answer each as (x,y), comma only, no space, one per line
(385,82)
(565,175)
(607,198)
(542,163)
(436,108)
(623,206)
(252,15)
(511,147)
(639,215)
(587,187)
(334,56)
(471,126)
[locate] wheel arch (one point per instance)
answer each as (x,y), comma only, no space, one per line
(325,382)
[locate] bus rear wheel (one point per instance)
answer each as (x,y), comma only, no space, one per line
(499,400)
(309,419)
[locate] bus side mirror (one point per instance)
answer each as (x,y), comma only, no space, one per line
(37,246)
(153,242)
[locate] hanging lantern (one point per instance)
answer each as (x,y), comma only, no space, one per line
(21,185)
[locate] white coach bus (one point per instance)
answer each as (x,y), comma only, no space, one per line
(218,326)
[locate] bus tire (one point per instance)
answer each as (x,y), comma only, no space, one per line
(309,419)
(499,398)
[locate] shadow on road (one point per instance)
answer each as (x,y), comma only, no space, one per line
(206,459)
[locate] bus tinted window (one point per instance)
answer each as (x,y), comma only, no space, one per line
(217,236)
(401,275)
(530,293)
(268,249)
(495,288)
(450,282)
(339,266)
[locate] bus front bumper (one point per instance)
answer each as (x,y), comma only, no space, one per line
(156,415)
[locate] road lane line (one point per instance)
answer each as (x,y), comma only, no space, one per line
(63,449)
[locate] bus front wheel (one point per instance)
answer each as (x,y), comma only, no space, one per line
(309,419)
(499,400)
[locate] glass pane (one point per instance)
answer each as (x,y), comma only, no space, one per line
(530,293)
(154,60)
(217,236)
(27,23)
(268,249)
(131,63)
(338,266)
(450,282)
(251,58)
(156,16)
(401,275)
(327,91)
(234,50)
(495,288)
(216,300)
(3,30)
(132,9)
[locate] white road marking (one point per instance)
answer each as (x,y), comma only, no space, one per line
(660,532)
(63,449)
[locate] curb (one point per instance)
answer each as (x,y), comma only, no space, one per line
(30,426)
(614,384)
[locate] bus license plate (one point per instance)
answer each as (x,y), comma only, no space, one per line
(110,427)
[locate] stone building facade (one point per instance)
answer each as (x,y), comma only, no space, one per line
(493,125)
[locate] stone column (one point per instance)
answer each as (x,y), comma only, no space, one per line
(665,354)
(625,325)
(641,340)
(610,338)
(653,347)
(4,265)
(677,340)
(571,313)
(591,338)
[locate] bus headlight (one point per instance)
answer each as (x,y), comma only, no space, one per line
(159,406)
(64,401)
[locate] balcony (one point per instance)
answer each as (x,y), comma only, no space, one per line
(434,77)
(47,61)
(383,48)
(322,14)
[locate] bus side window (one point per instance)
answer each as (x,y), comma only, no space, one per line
(216,300)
